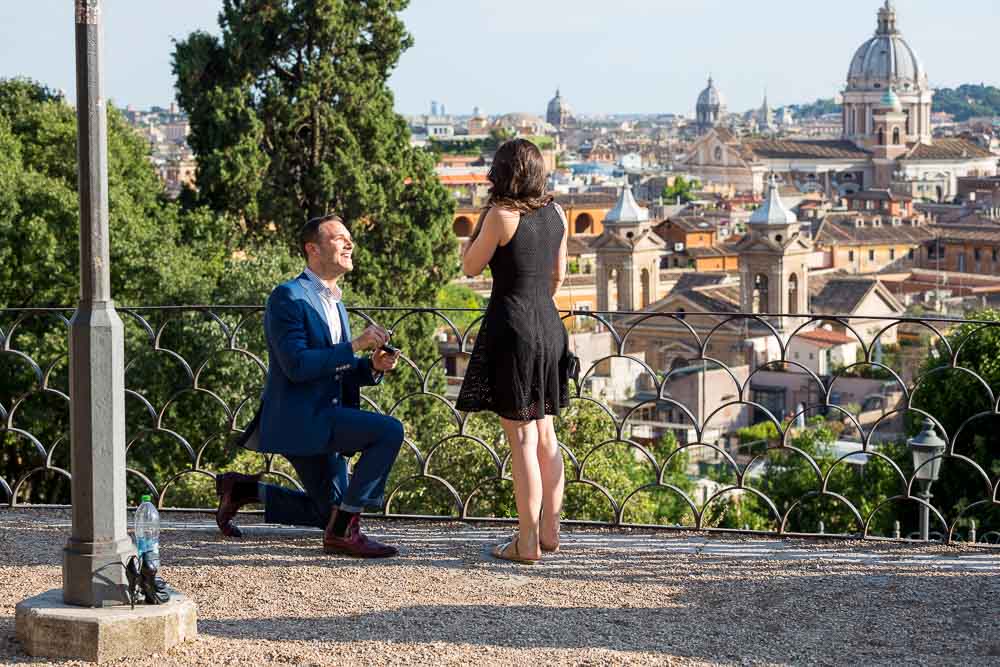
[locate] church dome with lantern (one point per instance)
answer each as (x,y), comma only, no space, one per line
(711,107)
(559,113)
(886,62)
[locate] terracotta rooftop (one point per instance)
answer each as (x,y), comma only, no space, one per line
(591,199)
(579,244)
(842,229)
(805,149)
(983,233)
(826,337)
(838,295)
(878,195)
(462,179)
(947,149)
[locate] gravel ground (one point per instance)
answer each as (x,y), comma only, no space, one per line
(609,598)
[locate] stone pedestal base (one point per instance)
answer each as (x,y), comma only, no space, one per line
(48,627)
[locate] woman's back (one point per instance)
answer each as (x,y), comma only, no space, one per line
(518,366)
(525,265)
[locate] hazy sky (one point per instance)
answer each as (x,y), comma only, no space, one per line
(509,55)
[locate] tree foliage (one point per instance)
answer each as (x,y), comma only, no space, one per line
(962,399)
(820,107)
(681,190)
(968,100)
(291,118)
(159,253)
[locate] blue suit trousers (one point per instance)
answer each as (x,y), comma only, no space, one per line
(324,476)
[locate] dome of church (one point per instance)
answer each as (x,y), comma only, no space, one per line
(887,59)
(710,97)
(558,111)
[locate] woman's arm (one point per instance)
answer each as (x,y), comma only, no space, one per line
(559,273)
(496,228)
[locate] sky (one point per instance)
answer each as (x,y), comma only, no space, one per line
(622,56)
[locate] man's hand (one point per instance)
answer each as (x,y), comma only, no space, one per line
(382,361)
(372,338)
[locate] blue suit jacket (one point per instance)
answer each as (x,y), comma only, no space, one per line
(309,377)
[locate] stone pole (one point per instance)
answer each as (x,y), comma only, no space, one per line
(99,542)
(65,623)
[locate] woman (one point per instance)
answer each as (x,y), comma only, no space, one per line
(518,368)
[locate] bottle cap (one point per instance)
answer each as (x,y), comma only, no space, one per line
(147,498)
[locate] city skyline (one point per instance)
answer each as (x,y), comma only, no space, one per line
(635,57)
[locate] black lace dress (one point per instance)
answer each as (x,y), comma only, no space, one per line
(519,366)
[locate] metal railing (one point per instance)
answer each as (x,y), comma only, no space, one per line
(664,429)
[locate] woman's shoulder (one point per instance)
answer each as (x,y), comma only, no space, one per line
(502,214)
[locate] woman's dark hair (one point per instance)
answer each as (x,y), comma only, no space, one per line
(518,177)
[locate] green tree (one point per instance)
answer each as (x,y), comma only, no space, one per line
(160,255)
(818,108)
(681,190)
(291,117)
(968,100)
(964,407)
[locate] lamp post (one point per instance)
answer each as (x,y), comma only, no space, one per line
(926,446)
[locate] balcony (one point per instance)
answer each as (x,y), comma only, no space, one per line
(737,438)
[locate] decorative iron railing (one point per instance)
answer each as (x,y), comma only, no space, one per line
(711,421)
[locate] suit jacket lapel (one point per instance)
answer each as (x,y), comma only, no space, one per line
(317,306)
(345,325)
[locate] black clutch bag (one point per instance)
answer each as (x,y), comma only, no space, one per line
(573,368)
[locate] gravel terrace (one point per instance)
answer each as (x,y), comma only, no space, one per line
(608,598)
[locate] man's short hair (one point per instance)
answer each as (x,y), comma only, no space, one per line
(309,231)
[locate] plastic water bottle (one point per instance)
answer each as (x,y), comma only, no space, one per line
(147,531)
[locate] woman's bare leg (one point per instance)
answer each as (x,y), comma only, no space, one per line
(523,439)
(550,462)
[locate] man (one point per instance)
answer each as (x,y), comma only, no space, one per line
(310,410)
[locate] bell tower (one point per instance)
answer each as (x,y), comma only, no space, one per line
(774,262)
(628,257)
(890,138)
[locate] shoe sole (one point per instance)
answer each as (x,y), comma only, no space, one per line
(329,552)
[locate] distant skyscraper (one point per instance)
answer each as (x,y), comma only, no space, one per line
(435,108)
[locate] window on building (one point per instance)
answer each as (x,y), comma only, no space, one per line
(895,137)
(994,254)
(892,254)
(850,255)
(909,255)
(871,255)
(977,253)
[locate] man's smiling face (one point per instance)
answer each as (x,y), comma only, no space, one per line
(331,253)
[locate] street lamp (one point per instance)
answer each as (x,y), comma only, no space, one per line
(926,446)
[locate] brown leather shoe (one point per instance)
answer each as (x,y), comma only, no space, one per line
(355,543)
(234,490)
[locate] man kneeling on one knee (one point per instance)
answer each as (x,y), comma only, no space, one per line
(310,411)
